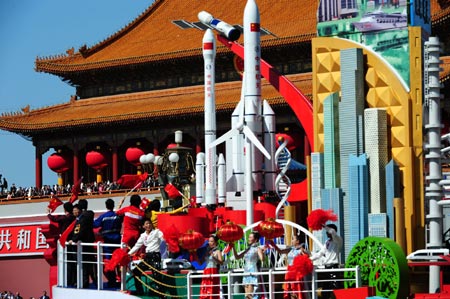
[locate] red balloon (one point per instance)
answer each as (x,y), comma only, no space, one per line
(59,163)
(230,232)
(96,160)
(191,240)
(133,154)
(270,229)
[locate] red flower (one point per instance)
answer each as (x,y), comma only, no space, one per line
(317,218)
(301,266)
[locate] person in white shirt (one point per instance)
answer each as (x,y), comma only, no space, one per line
(151,239)
(329,257)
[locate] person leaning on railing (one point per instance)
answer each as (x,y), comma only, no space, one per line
(328,256)
(110,225)
(84,232)
(151,238)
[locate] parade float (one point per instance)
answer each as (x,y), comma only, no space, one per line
(364,141)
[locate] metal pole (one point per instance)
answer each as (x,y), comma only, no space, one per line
(99,266)
(433,191)
(79,266)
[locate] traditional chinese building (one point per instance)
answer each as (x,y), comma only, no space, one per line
(139,85)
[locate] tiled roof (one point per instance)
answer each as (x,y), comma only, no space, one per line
(152,36)
(142,106)
(445,72)
(440,10)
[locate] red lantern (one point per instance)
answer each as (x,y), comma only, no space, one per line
(96,160)
(59,163)
(133,154)
(270,229)
(191,240)
(230,232)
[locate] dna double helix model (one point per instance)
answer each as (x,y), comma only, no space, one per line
(282,181)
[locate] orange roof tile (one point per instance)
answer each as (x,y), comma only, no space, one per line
(445,72)
(117,109)
(440,10)
(152,36)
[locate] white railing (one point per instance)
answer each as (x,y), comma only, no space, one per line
(272,276)
(271,279)
(94,258)
(271,282)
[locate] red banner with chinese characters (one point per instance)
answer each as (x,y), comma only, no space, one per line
(22,240)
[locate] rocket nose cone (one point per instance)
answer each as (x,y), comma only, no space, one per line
(267,110)
(201,158)
(251,12)
(208,37)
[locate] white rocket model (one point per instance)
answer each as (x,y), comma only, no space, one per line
(221,180)
(209,56)
(236,172)
(200,178)
(249,121)
(252,73)
(224,28)
(270,169)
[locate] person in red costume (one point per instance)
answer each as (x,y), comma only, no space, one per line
(132,221)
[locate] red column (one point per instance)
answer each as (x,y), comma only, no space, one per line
(38,168)
(198,146)
(76,174)
(115,167)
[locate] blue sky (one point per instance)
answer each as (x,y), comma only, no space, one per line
(40,28)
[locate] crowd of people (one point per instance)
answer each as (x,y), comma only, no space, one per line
(135,228)
(132,226)
(13,192)
(17,192)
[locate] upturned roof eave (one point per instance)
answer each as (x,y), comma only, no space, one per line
(30,130)
(63,64)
